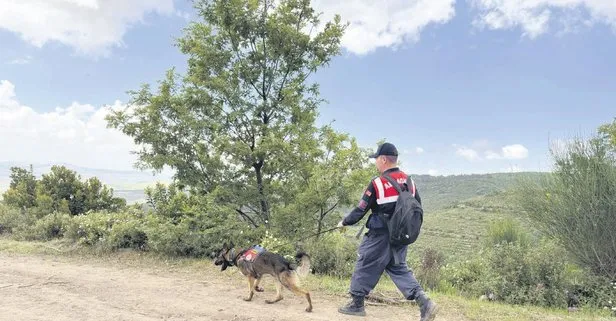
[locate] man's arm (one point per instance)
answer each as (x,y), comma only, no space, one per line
(367,201)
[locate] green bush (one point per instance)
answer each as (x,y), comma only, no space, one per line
(507,231)
(333,254)
(589,290)
(91,229)
(52,226)
(12,219)
(576,205)
(127,231)
(472,277)
(176,239)
(281,246)
(514,274)
(429,271)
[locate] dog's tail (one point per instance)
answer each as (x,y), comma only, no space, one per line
(303,264)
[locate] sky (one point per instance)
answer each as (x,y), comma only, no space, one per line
(464,86)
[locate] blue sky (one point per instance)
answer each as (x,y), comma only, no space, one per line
(466,86)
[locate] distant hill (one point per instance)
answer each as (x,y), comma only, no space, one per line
(439,192)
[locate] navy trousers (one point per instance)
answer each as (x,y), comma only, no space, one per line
(376,256)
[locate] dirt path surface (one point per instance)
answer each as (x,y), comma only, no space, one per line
(36,287)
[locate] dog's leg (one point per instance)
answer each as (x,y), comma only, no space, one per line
(251,292)
(257,288)
(278,294)
(290,282)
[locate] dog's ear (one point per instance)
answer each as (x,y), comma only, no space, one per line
(231,245)
(225,246)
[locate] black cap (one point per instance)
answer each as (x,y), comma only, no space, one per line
(385,149)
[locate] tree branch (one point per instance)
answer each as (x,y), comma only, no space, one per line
(244,215)
(329,210)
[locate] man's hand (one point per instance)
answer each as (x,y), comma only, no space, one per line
(341,227)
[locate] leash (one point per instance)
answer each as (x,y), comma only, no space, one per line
(313,235)
(317,234)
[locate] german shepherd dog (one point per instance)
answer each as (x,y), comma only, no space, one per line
(284,273)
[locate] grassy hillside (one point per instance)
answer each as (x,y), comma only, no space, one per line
(440,192)
(459,229)
(459,209)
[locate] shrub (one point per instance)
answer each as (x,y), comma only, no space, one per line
(507,231)
(514,274)
(332,254)
(12,219)
(429,271)
(51,226)
(127,231)
(576,205)
(278,245)
(91,229)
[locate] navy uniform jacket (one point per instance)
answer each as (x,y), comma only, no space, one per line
(380,197)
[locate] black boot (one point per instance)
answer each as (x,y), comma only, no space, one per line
(427,308)
(354,307)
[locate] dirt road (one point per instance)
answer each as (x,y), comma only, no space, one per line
(35,287)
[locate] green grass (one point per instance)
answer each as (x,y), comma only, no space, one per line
(439,192)
(459,229)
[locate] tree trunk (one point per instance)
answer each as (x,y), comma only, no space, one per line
(264,206)
(320,224)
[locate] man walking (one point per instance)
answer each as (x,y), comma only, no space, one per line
(376,254)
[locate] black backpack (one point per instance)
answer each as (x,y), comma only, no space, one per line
(405,222)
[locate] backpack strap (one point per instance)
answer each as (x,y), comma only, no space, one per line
(410,185)
(393,183)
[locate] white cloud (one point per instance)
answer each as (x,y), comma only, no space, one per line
(91,27)
(432,172)
(75,134)
(467,153)
(416,150)
(534,16)
(21,61)
(515,151)
(380,24)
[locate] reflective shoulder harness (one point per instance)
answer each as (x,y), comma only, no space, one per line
(385,192)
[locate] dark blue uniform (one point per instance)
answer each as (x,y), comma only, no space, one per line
(375,253)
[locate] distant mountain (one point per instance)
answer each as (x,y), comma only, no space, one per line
(438,192)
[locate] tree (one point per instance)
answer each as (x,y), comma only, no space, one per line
(63,185)
(608,132)
(100,197)
(328,183)
(576,204)
(60,190)
(22,189)
(243,116)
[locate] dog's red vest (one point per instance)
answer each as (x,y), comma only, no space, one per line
(251,254)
